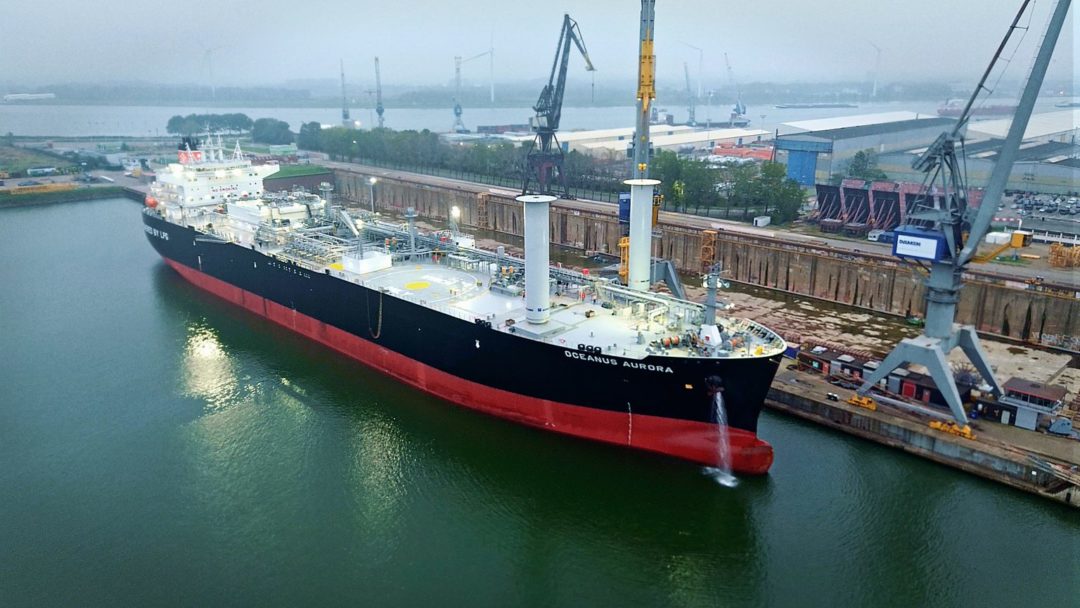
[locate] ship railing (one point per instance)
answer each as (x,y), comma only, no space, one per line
(441,307)
(656,304)
(757,333)
(382,229)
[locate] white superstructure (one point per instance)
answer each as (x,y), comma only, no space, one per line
(204,179)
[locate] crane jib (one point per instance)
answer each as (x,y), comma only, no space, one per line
(545,157)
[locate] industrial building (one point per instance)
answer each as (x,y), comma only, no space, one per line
(574,140)
(676,138)
(707,139)
(1025,404)
(815,149)
(1048,160)
(853,367)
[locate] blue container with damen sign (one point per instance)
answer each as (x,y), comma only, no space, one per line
(913,242)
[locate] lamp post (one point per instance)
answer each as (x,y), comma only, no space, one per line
(708,111)
(455,215)
(371,190)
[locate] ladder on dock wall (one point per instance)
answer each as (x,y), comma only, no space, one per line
(482,210)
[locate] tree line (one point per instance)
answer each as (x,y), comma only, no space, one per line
(501,160)
(747,190)
(262,130)
(688,185)
(193,124)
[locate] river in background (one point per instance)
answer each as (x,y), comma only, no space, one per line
(149,121)
(159,446)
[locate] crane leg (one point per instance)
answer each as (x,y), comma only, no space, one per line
(928,353)
(968,341)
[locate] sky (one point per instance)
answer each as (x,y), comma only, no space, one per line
(271,41)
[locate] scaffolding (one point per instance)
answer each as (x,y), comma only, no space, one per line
(1062,256)
(708,249)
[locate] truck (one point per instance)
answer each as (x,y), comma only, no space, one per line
(880,236)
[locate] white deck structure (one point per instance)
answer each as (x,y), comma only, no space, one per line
(594,315)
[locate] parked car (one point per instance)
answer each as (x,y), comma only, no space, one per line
(832,396)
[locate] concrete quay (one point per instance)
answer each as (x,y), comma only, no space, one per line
(1037,463)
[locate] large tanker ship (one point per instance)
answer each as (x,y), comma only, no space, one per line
(639,369)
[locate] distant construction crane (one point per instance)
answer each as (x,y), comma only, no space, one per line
(690,120)
(738,111)
(544,161)
(378,94)
(459,125)
(937,235)
(345,121)
(700,68)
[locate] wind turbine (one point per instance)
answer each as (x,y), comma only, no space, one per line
(208,59)
(877,68)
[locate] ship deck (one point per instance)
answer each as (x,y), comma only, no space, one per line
(578,315)
(585,314)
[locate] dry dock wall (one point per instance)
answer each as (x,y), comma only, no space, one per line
(1049,315)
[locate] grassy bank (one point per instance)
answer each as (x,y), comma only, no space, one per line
(15,161)
(78,194)
(288,171)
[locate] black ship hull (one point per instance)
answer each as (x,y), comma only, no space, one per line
(660,404)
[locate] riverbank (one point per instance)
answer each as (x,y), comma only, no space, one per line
(7,199)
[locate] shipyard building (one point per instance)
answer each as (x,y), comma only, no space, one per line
(813,150)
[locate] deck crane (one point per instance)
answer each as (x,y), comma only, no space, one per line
(690,120)
(544,161)
(378,94)
(935,234)
(459,126)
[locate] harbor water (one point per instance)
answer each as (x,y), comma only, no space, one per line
(49,120)
(161,447)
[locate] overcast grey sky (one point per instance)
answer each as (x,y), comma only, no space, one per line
(270,41)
